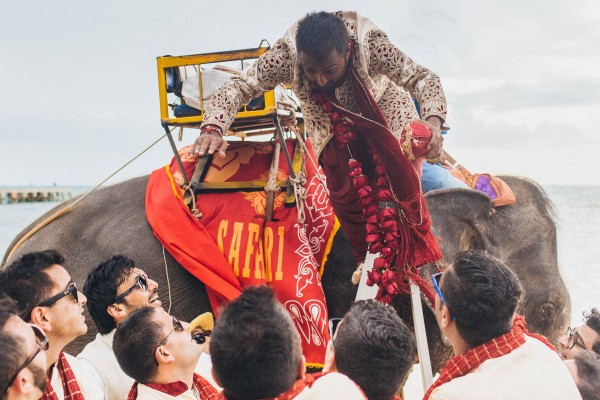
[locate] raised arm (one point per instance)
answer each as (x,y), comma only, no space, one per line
(422,84)
(270,69)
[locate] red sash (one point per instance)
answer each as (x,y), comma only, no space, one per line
(69,382)
(462,364)
(204,388)
(416,245)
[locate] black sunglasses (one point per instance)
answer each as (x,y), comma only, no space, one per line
(200,337)
(71,290)
(142,283)
(42,341)
(574,339)
(177,327)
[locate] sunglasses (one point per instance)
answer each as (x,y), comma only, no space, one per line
(177,327)
(436,278)
(142,283)
(71,290)
(200,337)
(574,339)
(42,342)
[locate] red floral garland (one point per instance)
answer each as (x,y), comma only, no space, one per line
(379,209)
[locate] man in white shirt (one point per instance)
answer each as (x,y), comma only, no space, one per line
(256,354)
(156,350)
(115,289)
(581,338)
(47,297)
(373,347)
(23,359)
(495,356)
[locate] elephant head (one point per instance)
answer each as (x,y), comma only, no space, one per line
(522,235)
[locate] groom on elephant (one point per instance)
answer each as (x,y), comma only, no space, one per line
(356,92)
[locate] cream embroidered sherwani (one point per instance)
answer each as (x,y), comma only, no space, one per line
(391,76)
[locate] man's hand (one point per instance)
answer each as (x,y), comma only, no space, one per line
(210,141)
(435,145)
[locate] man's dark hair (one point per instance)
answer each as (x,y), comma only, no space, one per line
(481,294)
(319,33)
(135,342)
(588,374)
(100,288)
(12,357)
(374,348)
(25,280)
(8,309)
(254,347)
(592,319)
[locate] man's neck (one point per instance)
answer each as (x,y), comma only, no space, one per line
(459,346)
(56,346)
(169,374)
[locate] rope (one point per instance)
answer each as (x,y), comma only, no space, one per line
(312,160)
(70,206)
(194,209)
(168,280)
(300,194)
(272,182)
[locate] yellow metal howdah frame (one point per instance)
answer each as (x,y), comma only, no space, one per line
(165,62)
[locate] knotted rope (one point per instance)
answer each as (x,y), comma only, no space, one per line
(271,185)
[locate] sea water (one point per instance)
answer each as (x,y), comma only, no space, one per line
(578,226)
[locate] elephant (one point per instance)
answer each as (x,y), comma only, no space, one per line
(112,221)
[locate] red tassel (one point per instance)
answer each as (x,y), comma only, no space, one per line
(372,237)
(375,247)
(352,163)
(385,195)
(372,228)
(364,192)
(359,181)
(356,172)
(370,210)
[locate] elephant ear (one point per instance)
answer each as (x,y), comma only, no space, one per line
(459,219)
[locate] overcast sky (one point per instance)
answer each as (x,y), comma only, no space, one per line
(79,88)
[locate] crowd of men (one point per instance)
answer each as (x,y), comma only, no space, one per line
(253,350)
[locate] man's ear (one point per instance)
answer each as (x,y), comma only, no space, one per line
(446,319)
(329,358)
(163,355)
(41,318)
(24,382)
(117,311)
(302,368)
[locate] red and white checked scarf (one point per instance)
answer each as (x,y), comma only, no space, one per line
(293,391)
(462,364)
(204,388)
(69,382)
